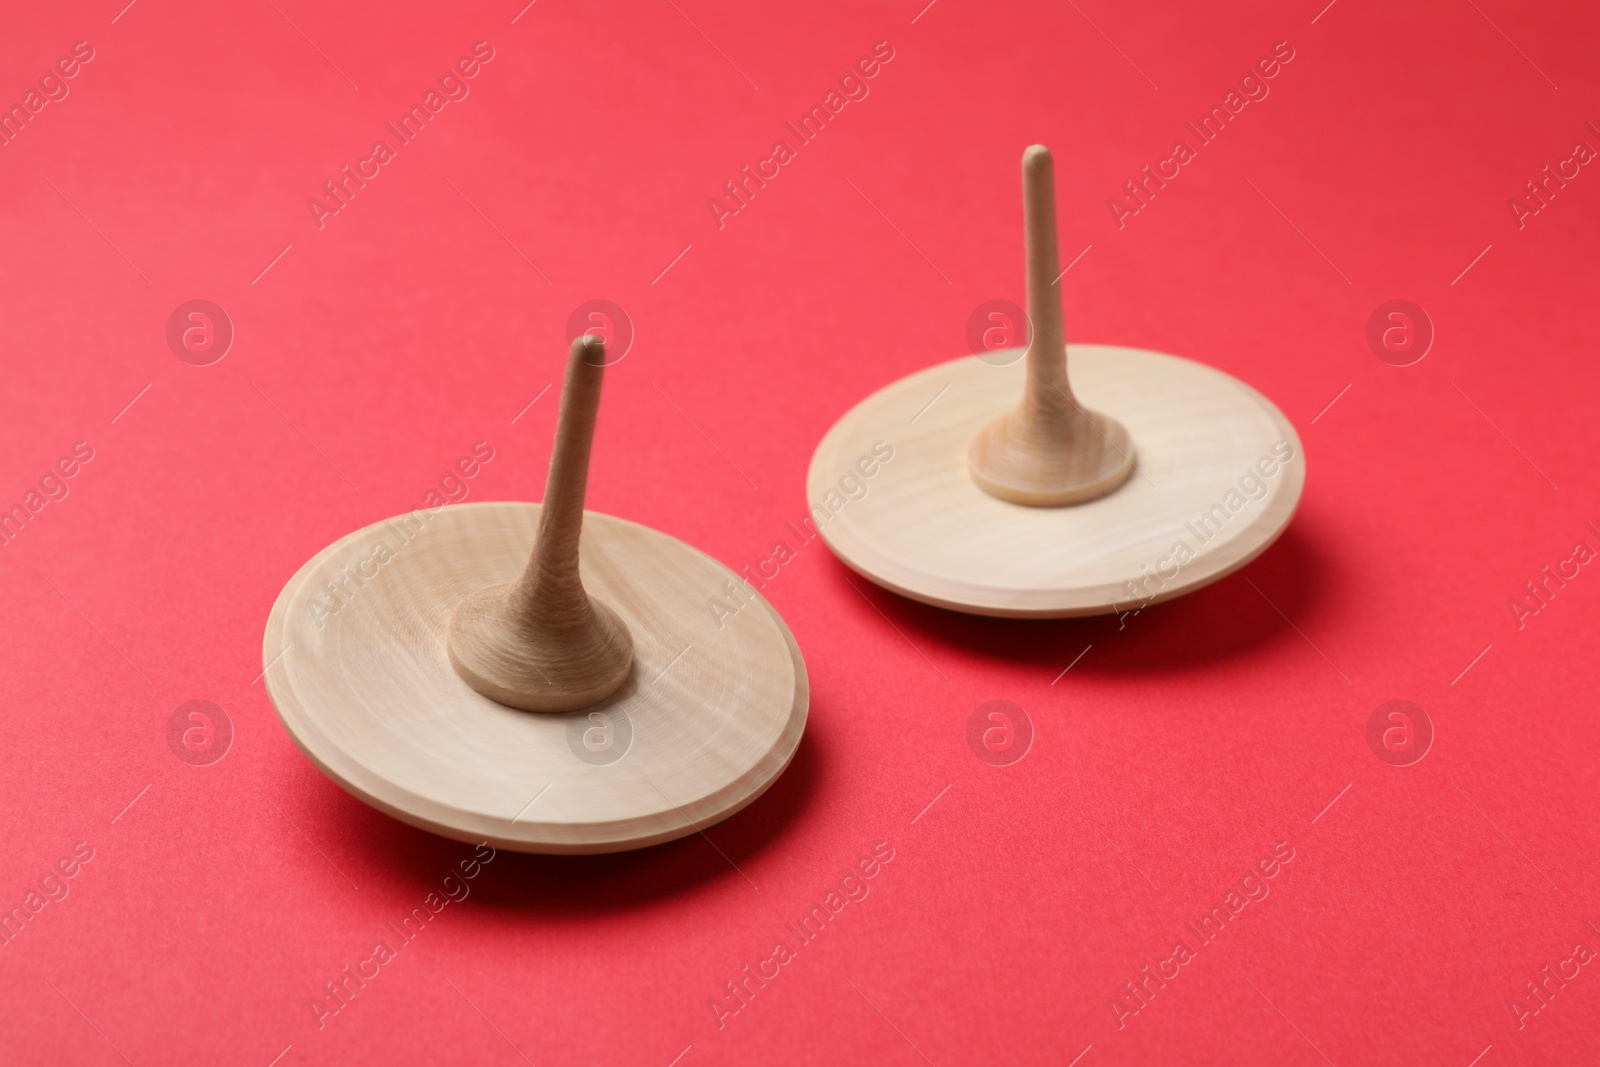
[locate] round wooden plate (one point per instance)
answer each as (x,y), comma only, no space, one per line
(1218,470)
(358,671)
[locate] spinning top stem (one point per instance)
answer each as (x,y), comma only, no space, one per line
(1048,394)
(1050,450)
(542,643)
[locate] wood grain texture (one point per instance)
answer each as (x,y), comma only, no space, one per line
(712,710)
(1050,450)
(927,531)
(542,643)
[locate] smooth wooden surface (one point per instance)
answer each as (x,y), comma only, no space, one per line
(927,531)
(368,692)
(541,642)
(1050,450)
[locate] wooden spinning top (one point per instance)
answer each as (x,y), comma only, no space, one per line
(1050,450)
(1144,477)
(542,643)
(536,676)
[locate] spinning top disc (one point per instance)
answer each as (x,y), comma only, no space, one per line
(707,720)
(926,530)
(1014,491)
(382,649)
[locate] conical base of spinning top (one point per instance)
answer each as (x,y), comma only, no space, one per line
(1010,459)
(527,663)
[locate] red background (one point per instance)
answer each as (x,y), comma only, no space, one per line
(1172,755)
